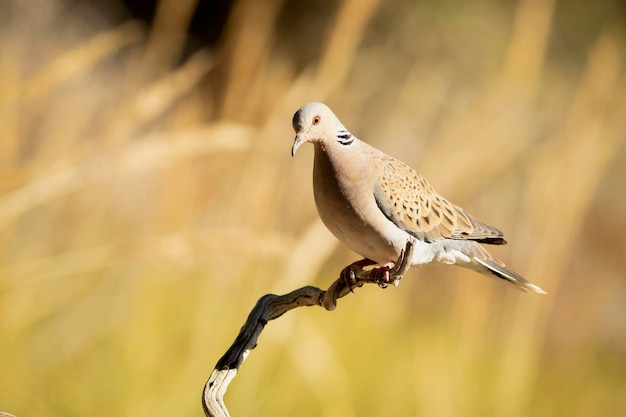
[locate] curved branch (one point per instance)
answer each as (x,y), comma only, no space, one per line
(271,306)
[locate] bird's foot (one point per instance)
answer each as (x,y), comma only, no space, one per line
(381,276)
(349,273)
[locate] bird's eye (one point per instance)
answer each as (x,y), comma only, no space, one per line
(316,120)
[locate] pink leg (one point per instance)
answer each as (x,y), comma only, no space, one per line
(380,274)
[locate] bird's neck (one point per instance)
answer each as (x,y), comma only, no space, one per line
(322,161)
(340,162)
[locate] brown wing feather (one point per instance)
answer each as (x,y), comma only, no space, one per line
(412,204)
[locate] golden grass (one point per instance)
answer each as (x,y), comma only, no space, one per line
(144,211)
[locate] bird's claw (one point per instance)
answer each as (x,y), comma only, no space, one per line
(390,273)
(349,274)
(381,275)
(393,272)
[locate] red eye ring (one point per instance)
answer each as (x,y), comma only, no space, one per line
(316,120)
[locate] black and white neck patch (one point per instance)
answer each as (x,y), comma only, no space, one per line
(344,137)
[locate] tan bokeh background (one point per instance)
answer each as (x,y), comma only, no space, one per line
(148,199)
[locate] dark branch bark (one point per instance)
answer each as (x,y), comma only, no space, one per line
(270,307)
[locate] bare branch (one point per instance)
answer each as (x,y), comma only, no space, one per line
(271,306)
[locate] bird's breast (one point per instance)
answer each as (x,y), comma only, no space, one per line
(346,205)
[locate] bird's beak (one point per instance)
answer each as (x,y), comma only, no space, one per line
(296,144)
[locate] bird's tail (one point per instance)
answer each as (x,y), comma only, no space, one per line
(500,270)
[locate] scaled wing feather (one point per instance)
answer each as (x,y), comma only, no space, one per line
(412,204)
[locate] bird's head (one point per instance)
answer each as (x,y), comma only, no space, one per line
(316,123)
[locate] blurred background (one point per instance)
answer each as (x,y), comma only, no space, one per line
(148,199)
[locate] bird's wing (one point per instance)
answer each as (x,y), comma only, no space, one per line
(412,204)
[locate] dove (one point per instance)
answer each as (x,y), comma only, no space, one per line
(375,204)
